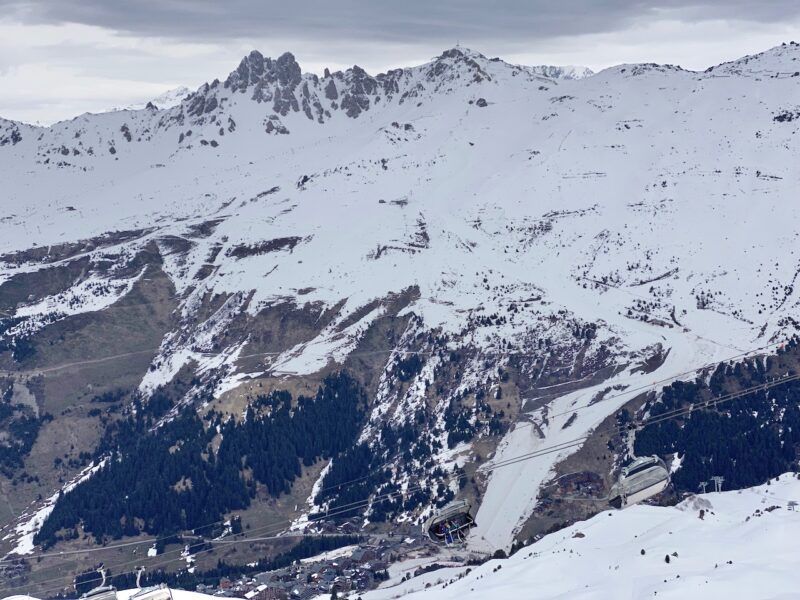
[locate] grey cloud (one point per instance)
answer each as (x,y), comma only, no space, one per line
(405,21)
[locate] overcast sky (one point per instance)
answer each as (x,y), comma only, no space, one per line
(59,58)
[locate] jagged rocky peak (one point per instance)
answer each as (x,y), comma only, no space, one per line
(281,83)
(255,69)
(352,91)
(458,61)
(283,88)
(464,55)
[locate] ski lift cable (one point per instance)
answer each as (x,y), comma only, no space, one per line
(676,377)
(523,425)
(280,526)
(580,408)
(677,413)
(486,468)
(275,527)
(341,509)
(337,511)
(489,466)
(479,354)
(511,460)
(718,400)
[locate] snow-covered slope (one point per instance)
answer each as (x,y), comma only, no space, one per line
(738,544)
(170,98)
(525,217)
(725,545)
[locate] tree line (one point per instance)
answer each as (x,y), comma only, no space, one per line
(747,441)
(171,478)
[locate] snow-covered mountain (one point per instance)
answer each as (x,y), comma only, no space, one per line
(166,100)
(517,227)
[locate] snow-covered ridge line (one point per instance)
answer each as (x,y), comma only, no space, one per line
(255,73)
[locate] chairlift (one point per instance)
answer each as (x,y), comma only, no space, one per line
(451,524)
(153,592)
(102,591)
(642,479)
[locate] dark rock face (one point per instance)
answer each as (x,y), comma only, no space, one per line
(282,83)
(457,64)
(201,102)
(353,105)
(274,126)
(262,92)
(331,93)
(390,82)
(247,73)
(481,102)
(211,104)
(454,53)
(285,101)
(361,83)
(10,135)
(287,70)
